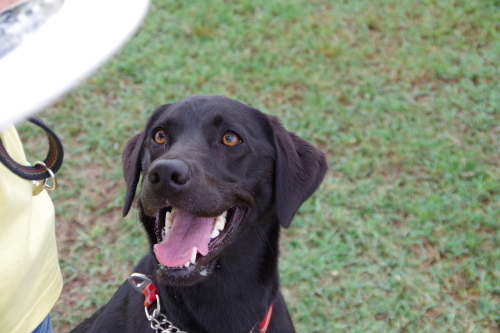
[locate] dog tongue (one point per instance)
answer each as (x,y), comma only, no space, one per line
(187,232)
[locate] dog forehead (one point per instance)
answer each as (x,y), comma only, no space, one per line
(204,110)
(207,107)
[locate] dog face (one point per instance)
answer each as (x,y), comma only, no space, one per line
(211,167)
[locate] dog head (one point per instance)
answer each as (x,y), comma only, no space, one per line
(210,166)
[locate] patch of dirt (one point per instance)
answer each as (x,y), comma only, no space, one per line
(427,252)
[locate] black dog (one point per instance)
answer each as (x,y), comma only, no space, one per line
(218,180)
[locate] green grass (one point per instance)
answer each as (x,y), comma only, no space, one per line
(402,96)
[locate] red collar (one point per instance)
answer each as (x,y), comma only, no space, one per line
(148,288)
(262,327)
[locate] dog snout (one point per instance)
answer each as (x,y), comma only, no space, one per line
(169,176)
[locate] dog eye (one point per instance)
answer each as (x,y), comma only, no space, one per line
(231,139)
(160,137)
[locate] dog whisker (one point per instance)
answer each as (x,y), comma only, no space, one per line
(261,232)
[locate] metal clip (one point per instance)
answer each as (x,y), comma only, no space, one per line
(156,311)
(158,321)
(141,285)
(38,185)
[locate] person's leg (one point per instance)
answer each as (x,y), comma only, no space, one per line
(44,327)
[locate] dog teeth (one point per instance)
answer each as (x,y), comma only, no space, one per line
(214,233)
(174,210)
(191,260)
(169,218)
(220,223)
(193,256)
(168,224)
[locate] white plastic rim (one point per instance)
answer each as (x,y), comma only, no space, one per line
(65,50)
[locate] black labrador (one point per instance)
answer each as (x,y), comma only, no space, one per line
(218,180)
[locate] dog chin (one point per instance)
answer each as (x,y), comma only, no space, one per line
(184,277)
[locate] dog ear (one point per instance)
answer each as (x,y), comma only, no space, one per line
(131,161)
(299,169)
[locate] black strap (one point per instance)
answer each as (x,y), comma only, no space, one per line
(53,161)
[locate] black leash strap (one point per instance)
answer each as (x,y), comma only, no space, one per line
(53,161)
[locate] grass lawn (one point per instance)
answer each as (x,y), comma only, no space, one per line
(403,97)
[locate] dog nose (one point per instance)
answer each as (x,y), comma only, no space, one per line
(169,175)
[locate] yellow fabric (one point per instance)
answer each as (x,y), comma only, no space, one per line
(30,278)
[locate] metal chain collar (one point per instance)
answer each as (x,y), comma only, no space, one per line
(159,322)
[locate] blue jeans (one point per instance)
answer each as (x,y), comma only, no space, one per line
(44,327)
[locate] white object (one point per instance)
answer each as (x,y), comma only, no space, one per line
(66,49)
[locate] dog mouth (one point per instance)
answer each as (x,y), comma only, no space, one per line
(186,242)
